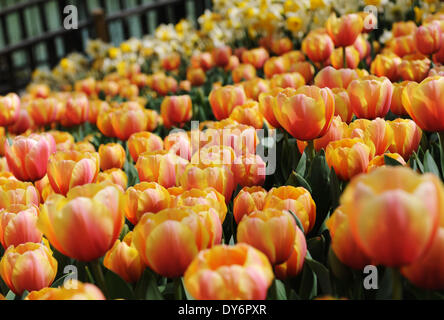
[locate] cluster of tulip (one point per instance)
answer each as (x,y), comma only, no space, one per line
(110,178)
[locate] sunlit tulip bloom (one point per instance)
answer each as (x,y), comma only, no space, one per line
(9,109)
(44,188)
(438,57)
(163,84)
(128,120)
(104,123)
(196,76)
(84,146)
(428,38)
(178,143)
(224,99)
(88,86)
(276,65)
(415,68)
(110,88)
(67,169)
(287,80)
(208,197)
(142,142)
(124,260)
(362,46)
(145,197)
(298,200)
(27,157)
(76,110)
(343,243)
(171,61)
(408,202)
(73,290)
(185,85)
(3,165)
(13,192)
(18,224)
(214,156)
(424,103)
(271,231)
(333,78)
(317,46)
(403,45)
(243,72)
(206,61)
(378,131)
(345,29)
(64,140)
(23,123)
(85,224)
(254,87)
(168,241)
(407,136)
(306,113)
(379,161)
(386,65)
(160,166)
(44,111)
(403,28)
(112,155)
(249,199)
(293,266)
(116,176)
(427,272)
(343,107)
(248,114)
(221,55)
(351,55)
(39,90)
(29,266)
(294,56)
(370,97)
(211,220)
(176,110)
(220,178)
(281,45)
(249,170)
(304,68)
(232,64)
(238,272)
(256,57)
(348,157)
(396,105)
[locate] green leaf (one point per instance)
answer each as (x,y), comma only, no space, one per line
(309,286)
(277,291)
(322,274)
(335,188)
(117,288)
(10,295)
(300,169)
(59,282)
(152,292)
(391,162)
(418,162)
(298,221)
(296,180)
(430,164)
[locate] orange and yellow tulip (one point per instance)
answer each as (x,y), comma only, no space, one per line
(176,110)
(317,46)
(249,199)
(293,266)
(112,155)
(144,141)
(428,38)
(407,137)
(224,99)
(334,78)
(344,30)
(9,109)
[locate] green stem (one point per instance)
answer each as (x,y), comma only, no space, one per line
(97,271)
(432,64)
(178,289)
(311,152)
(397,284)
(344,57)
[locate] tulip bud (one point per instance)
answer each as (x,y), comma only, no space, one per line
(112,155)
(9,109)
(223,100)
(176,110)
(143,142)
(249,199)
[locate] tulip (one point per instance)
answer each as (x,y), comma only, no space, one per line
(293,266)
(254,87)
(169,240)
(298,200)
(249,199)
(171,62)
(221,55)
(414,68)
(306,113)
(39,90)
(343,243)
(67,169)
(185,85)
(403,45)
(403,28)
(44,111)
(85,224)
(207,197)
(424,103)
(178,143)
(379,161)
(160,166)
(141,142)
(386,65)
(426,272)
(23,123)
(112,155)
(163,84)
(276,65)
(84,146)
(343,107)
(287,80)
(232,64)
(229,272)
(243,72)
(351,56)
(428,38)
(266,102)
(27,157)
(305,68)
(214,156)
(124,260)
(248,114)
(104,123)
(370,97)
(333,78)
(13,192)
(29,266)
(129,119)
(9,109)
(256,57)
(281,45)
(378,131)
(223,100)
(344,30)
(18,224)
(294,56)
(408,202)
(407,137)
(145,197)
(76,111)
(348,157)
(64,140)
(196,76)
(396,105)
(249,170)
(317,46)
(176,110)
(73,290)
